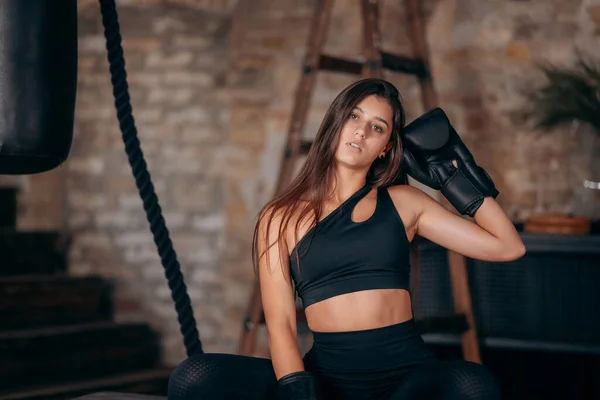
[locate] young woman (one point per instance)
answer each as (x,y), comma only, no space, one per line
(341,233)
(339,237)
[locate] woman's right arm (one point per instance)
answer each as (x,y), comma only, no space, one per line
(277,298)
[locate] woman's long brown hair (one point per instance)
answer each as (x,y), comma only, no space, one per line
(307,192)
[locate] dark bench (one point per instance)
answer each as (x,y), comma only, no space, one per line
(118,396)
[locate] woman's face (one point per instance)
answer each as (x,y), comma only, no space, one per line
(365,134)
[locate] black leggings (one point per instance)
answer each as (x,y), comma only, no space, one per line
(389,363)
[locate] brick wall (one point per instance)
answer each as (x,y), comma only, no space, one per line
(212,85)
(485,56)
(177,59)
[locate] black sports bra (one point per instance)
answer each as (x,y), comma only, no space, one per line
(340,256)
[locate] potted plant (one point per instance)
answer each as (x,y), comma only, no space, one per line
(569,97)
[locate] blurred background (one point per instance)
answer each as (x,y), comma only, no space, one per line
(84,303)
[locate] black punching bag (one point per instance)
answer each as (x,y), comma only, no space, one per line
(38,81)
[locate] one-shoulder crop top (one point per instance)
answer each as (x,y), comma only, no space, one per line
(339,255)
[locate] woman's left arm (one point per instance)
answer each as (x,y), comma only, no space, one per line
(491,237)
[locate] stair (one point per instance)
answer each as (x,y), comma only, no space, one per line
(82,351)
(32,253)
(40,301)
(58,338)
(8,203)
(145,381)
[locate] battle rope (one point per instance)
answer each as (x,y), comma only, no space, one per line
(163,242)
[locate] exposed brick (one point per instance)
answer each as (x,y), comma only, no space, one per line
(148,115)
(133,238)
(86,63)
(99,112)
(199,135)
(88,165)
(163,61)
(118,220)
(199,197)
(187,78)
(207,276)
(129,201)
(594,14)
(176,220)
(87,201)
(186,42)
(518,52)
(209,223)
(141,255)
(92,44)
(80,268)
(186,116)
(150,79)
(249,127)
(175,97)
(78,220)
(143,44)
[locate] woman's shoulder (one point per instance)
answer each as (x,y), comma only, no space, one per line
(405,192)
(285,215)
(409,200)
(411,197)
(285,222)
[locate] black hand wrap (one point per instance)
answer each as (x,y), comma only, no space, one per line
(430,145)
(297,386)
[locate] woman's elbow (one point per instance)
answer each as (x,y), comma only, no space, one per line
(283,329)
(514,251)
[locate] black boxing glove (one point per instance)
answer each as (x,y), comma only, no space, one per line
(430,144)
(297,386)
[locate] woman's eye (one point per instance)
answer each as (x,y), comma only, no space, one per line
(378,128)
(353,116)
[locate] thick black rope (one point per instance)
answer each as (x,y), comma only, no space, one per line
(163,242)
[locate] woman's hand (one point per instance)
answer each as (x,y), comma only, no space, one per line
(436,156)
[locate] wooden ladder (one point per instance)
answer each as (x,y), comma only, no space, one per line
(375,61)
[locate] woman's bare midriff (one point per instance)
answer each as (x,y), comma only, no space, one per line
(362,310)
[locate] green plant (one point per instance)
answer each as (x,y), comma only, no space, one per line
(569,94)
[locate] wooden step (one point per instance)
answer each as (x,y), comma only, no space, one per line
(28,302)
(119,396)
(25,253)
(389,61)
(77,352)
(149,382)
(8,207)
